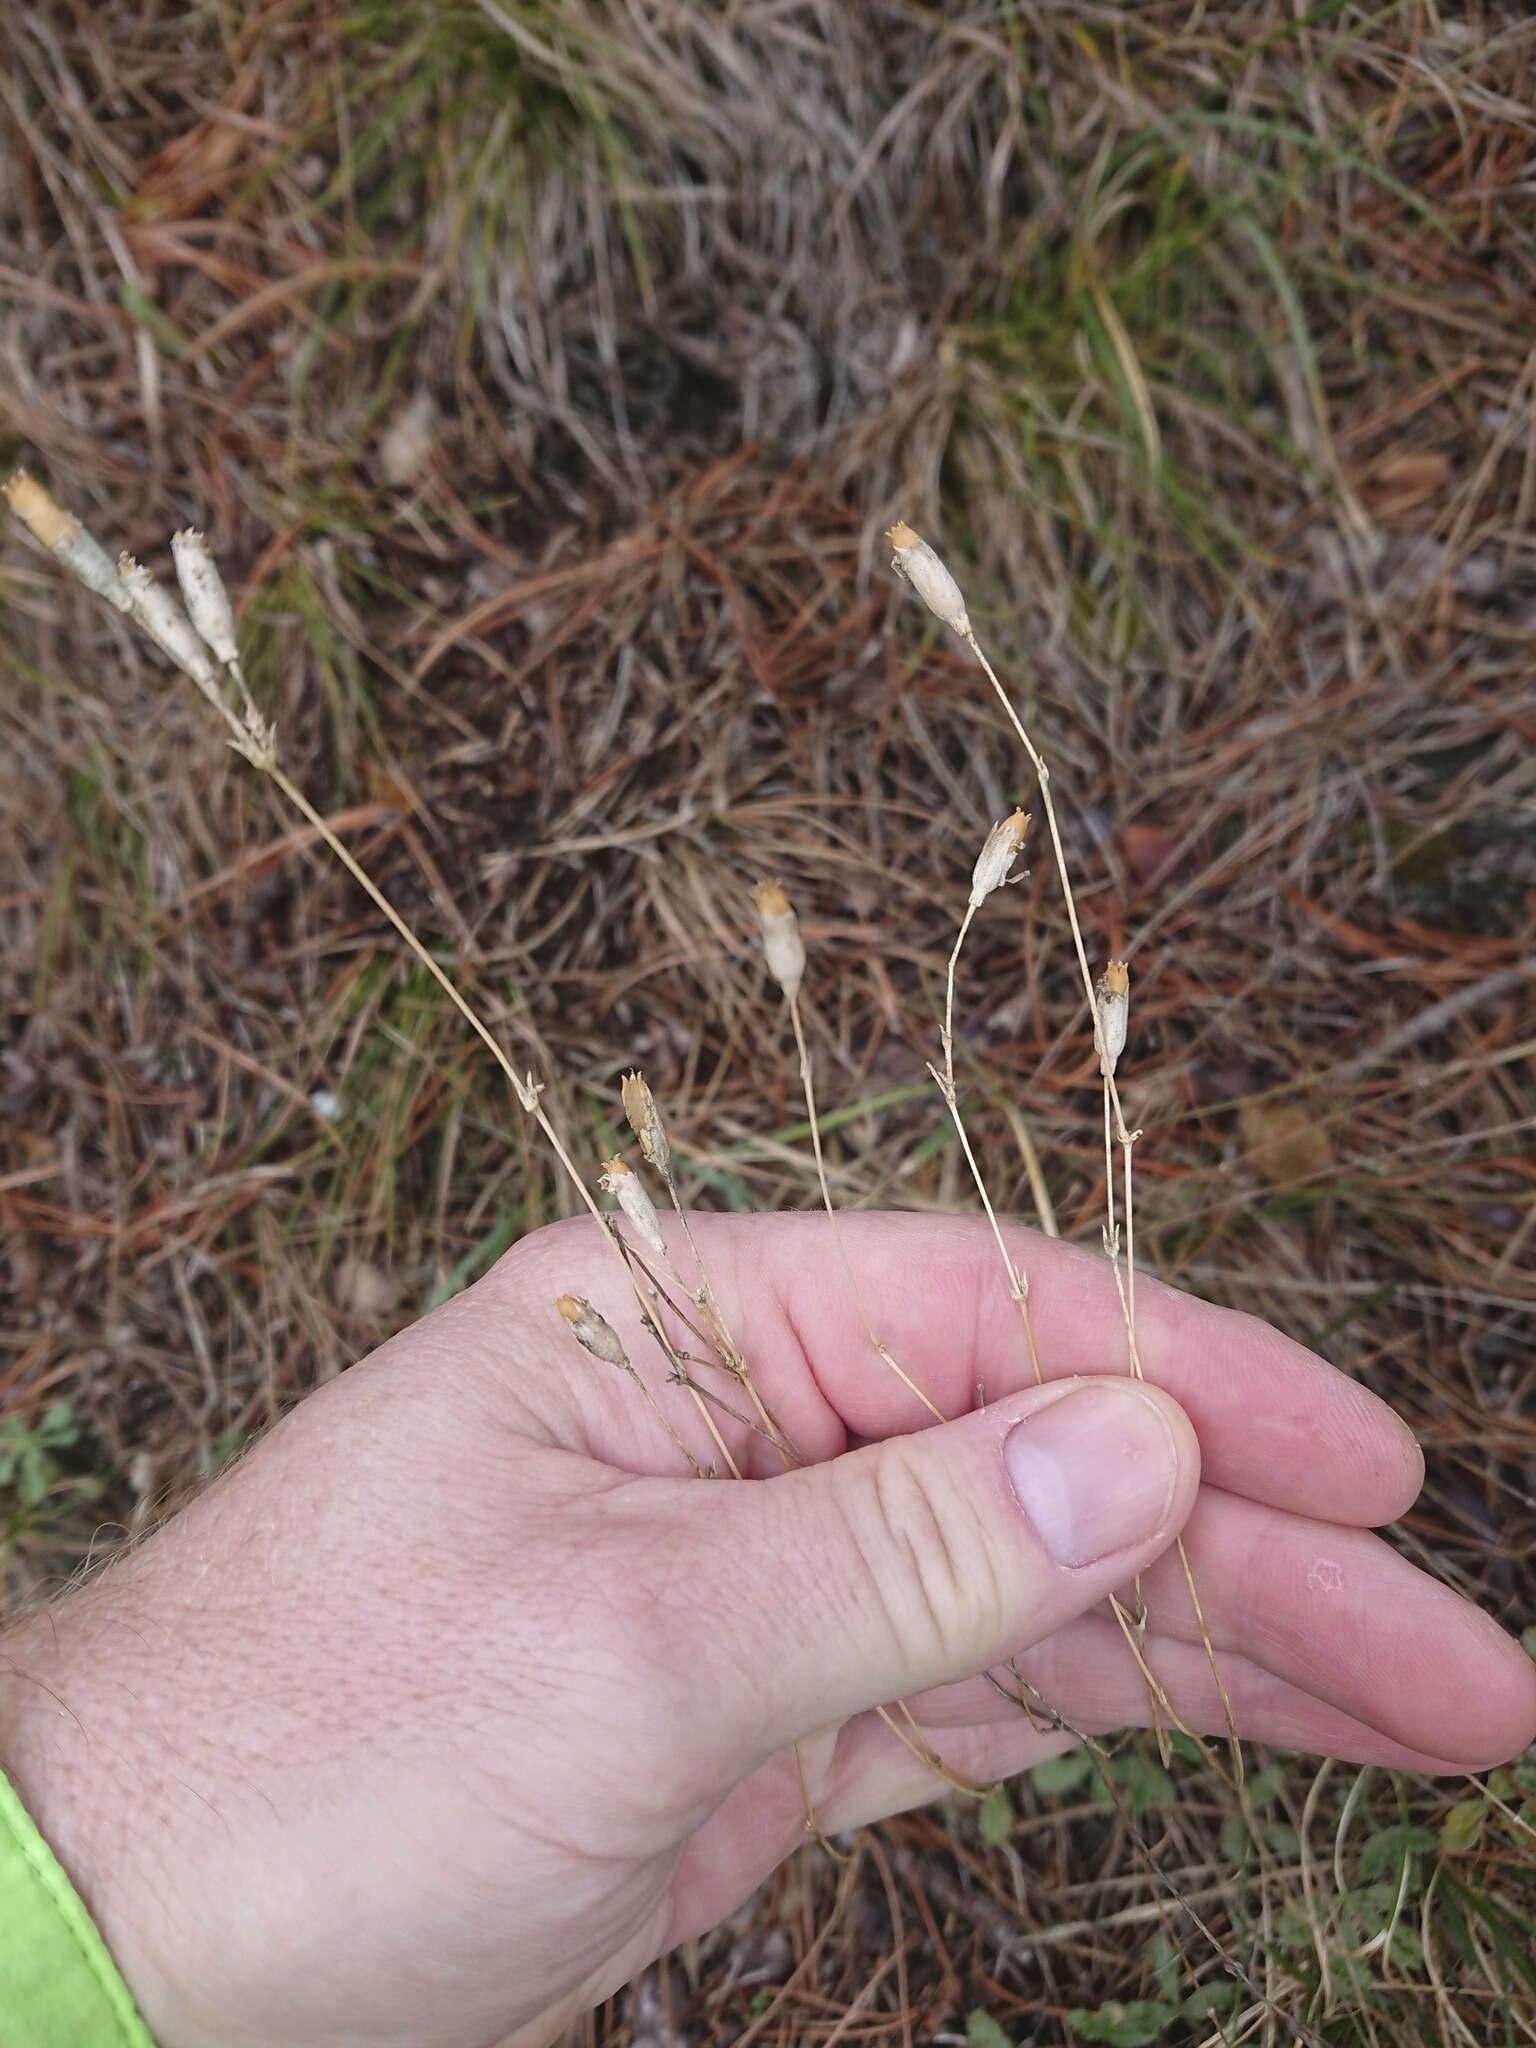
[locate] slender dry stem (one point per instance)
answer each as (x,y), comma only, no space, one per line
(732,1358)
(1018,1283)
(808,1085)
(1125,1138)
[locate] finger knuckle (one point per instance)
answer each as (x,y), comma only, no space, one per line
(928,1572)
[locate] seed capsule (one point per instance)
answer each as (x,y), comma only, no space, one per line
(997,856)
(782,943)
(58,530)
(154,608)
(206,599)
(645,1121)
(913,559)
(629,1191)
(1112,1003)
(591,1331)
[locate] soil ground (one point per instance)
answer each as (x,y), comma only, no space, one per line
(543,376)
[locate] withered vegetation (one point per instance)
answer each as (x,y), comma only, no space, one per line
(543,376)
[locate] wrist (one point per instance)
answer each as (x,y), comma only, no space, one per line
(68,1752)
(41,1746)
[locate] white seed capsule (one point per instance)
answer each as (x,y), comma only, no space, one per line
(782,943)
(162,618)
(629,1191)
(1112,1005)
(916,561)
(207,601)
(591,1331)
(997,856)
(67,538)
(89,560)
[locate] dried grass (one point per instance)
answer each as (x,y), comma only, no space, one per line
(1204,346)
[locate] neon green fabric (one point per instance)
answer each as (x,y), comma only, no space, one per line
(59,1988)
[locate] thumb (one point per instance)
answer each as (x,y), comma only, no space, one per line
(924,1559)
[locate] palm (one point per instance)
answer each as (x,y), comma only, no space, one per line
(1326,1639)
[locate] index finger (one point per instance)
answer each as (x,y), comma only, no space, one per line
(1276,1423)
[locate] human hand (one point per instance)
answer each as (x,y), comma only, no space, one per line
(455,1703)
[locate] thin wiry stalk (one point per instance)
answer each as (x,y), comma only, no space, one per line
(733,1359)
(1125,1138)
(1126,1289)
(648,1124)
(937,588)
(680,1378)
(1238,1770)
(1133,1628)
(703,1295)
(1111,1239)
(768,1426)
(1155,1695)
(1127,1292)
(1130,1240)
(918,1745)
(1038,1709)
(786,961)
(826,1196)
(1048,803)
(949,988)
(656,1409)
(526,1090)
(635,1202)
(1018,1284)
(684,1378)
(1043,776)
(812,1825)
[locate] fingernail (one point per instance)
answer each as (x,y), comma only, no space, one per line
(1094,1471)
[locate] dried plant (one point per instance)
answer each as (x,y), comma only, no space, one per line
(785,953)
(1108,1006)
(1168,325)
(198,636)
(991,872)
(189,642)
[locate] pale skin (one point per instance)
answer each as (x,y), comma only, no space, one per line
(459,1700)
